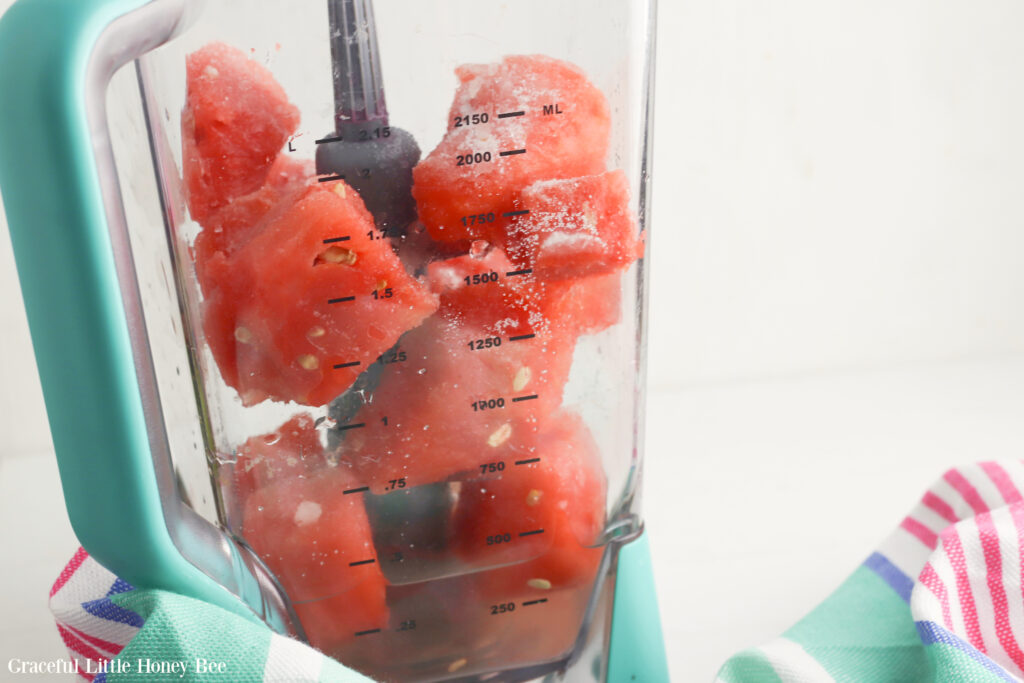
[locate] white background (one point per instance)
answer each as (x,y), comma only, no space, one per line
(837,307)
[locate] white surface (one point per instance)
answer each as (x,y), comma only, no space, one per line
(836,187)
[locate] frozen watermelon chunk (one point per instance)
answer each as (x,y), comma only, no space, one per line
(232,225)
(484,287)
(575,227)
(468,386)
(292,450)
(236,120)
(545,515)
(464,188)
(310,301)
(317,541)
(443,409)
(521,304)
(585,305)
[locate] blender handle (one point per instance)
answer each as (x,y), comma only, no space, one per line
(60,207)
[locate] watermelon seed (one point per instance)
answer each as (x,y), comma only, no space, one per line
(533,497)
(336,255)
(457,664)
(521,379)
(500,435)
(307,512)
(315,332)
(540,584)
(308,361)
(243,335)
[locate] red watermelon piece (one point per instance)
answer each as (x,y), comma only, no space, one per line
(551,510)
(585,305)
(317,542)
(447,409)
(309,301)
(576,227)
(236,119)
(520,304)
(469,384)
(292,450)
(235,223)
(468,177)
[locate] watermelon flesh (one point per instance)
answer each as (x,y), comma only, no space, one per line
(318,543)
(292,450)
(562,495)
(298,295)
(575,228)
(297,316)
(236,119)
(233,224)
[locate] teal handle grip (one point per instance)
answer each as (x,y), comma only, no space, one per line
(636,650)
(57,207)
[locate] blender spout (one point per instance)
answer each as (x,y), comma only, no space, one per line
(358,85)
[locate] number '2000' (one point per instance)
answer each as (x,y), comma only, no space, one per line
(472,158)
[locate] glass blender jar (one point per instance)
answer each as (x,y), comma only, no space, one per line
(339,313)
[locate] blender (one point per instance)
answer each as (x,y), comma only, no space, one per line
(339,311)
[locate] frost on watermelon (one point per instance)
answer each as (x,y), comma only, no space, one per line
(317,542)
(522,304)
(575,227)
(312,299)
(236,120)
(465,185)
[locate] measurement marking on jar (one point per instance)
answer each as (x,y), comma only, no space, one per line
(332,240)
(510,114)
(527,462)
(367,633)
(535,602)
(359,425)
(341,300)
(512,152)
(361,489)
(517,399)
(361,562)
(530,533)
(513,214)
(352,364)
(329,178)
(330,138)
(521,337)
(514,273)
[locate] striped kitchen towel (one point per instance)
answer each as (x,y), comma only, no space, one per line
(115,632)
(939,600)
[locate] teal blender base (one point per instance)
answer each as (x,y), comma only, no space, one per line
(636,651)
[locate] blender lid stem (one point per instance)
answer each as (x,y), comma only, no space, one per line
(358,85)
